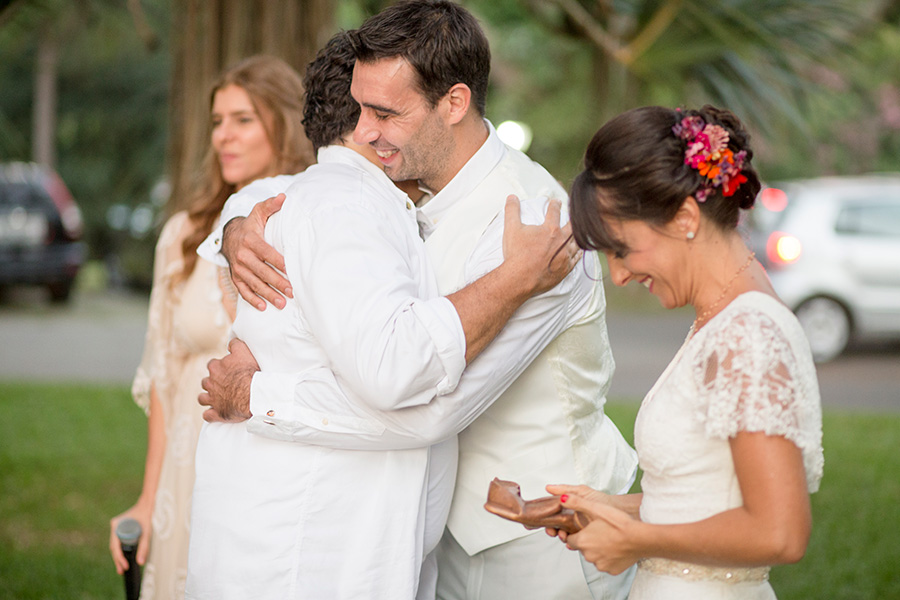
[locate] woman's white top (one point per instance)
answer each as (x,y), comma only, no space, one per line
(749,369)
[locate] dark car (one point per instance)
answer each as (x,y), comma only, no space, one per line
(40,230)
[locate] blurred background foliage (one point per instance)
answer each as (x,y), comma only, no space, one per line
(817,81)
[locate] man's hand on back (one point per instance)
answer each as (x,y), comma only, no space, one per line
(227,388)
(540,255)
(535,259)
(253,262)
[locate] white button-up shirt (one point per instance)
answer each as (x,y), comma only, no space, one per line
(282,520)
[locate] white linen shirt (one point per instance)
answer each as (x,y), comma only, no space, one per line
(287,520)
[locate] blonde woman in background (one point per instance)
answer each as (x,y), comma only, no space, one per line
(256,109)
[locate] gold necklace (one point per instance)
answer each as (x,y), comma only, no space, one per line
(706,313)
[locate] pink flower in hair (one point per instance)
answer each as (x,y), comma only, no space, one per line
(706,149)
(717,138)
(695,153)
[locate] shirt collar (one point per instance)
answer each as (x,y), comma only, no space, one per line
(343,155)
(464,182)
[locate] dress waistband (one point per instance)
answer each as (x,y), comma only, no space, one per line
(692,572)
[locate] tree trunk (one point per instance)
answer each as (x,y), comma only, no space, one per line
(210,35)
(45,99)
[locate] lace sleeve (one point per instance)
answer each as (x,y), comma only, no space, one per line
(167,263)
(751,379)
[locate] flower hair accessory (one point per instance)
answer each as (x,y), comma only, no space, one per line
(708,152)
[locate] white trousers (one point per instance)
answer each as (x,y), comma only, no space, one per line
(536,566)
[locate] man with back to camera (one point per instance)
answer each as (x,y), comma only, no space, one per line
(421,78)
(277,520)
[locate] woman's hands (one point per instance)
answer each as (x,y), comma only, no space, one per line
(609,539)
(142,512)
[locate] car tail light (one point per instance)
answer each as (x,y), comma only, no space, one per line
(783,248)
(69,213)
(774,199)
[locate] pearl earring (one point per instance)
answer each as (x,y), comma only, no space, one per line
(690,235)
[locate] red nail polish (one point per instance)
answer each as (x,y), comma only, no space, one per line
(564,497)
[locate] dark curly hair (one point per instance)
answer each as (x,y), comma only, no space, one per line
(634,169)
(329,111)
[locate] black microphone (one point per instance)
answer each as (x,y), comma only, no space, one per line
(129,532)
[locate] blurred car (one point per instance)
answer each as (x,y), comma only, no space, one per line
(831,247)
(40,230)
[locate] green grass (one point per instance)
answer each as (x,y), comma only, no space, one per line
(71,456)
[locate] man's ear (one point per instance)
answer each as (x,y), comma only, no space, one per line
(459,99)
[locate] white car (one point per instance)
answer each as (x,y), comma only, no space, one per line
(831,247)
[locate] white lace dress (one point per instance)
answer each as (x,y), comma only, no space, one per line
(748,369)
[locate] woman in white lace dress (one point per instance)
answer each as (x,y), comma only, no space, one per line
(255,131)
(729,437)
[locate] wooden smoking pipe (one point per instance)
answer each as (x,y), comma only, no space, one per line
(505,500)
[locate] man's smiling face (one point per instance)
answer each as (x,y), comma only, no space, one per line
(412,138)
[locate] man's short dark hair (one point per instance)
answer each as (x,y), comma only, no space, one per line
(441,40)
(329,111)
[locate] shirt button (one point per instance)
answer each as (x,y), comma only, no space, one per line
(217,241)
(324,421)
(270,413)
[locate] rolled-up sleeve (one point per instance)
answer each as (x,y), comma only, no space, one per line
(362,303)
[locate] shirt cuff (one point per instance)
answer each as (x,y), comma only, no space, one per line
(441,320)
(275,403)
(271,394)
(238,205)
